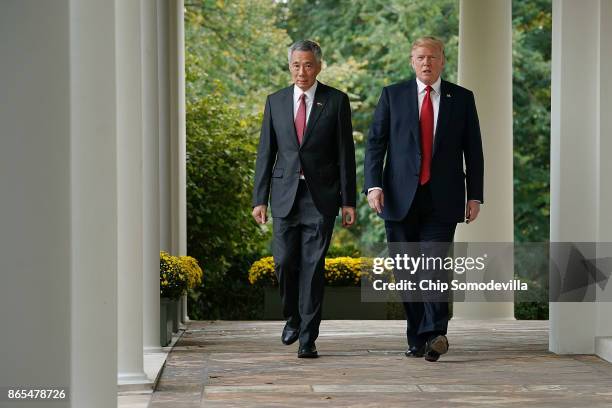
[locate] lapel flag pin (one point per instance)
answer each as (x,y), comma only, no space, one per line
(319,104)
(448,95)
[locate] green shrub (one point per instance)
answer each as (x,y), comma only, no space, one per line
(221,234)
(531,311)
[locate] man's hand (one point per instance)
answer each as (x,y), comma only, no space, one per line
(348,216)
(472,208)
(260,213)
(376,200)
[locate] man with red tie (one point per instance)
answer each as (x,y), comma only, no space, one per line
(306,168)
(426,128)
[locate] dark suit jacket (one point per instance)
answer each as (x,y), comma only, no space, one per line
(326,155)
(395,132)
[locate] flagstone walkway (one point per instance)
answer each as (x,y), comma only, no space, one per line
(361,364)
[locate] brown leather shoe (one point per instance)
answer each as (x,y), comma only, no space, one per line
(436,346)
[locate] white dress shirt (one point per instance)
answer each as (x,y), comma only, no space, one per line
(435,99)
(297,93)
(310,93)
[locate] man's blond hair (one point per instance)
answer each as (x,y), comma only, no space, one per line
(430,42)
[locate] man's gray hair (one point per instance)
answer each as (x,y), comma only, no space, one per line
(306,45)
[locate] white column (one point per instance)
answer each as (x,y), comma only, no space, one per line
(172,139)
(150,210)
(94,204)
(36,235)
(58,240)
(130,192)
(573,140)
(485,67)
(603,344)
(177,128)
(581,134)
(178,144)
(163,58)
(185,317)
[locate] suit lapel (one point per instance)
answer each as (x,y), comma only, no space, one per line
(445,109)
(287,112)
(318,105)
(413,111)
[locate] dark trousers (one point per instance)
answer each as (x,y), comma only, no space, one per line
(301,240)
(427,318)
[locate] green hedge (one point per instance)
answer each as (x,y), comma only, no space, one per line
(221,234)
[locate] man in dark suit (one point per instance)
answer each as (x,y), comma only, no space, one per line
(426,127)
(306,165)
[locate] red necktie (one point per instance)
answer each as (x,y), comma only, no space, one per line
(427,122)
(300,118)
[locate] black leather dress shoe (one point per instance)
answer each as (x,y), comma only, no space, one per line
(436,346)
(308,352)
(414,351)
(290,335)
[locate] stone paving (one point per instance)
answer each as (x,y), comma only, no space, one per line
(361,364)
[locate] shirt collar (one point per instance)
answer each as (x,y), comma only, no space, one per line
(310,93)
(436,85)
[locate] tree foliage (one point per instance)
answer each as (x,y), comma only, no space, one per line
(238,44)
(532,41)
(532,22)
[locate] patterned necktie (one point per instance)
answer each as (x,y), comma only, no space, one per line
(426,122)
(300,118)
